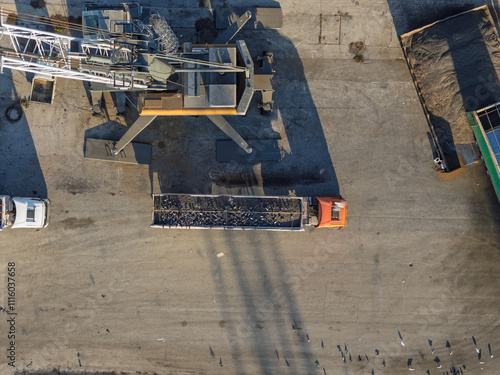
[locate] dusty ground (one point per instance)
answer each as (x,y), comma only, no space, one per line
(98,290)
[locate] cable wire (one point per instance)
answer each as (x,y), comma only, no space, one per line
(54,22)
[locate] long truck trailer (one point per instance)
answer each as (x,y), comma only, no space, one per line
(186,211)
(454,64)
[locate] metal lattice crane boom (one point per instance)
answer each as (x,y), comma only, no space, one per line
(48,53)
(138,59)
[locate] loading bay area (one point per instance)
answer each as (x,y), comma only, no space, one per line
(411,282)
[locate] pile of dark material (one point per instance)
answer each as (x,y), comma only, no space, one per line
(172,210)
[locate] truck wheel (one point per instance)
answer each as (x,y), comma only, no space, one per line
(14,113)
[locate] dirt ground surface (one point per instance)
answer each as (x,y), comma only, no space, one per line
(100,292)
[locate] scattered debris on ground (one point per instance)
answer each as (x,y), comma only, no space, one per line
(357,49)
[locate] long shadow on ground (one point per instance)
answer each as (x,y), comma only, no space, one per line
(20,171)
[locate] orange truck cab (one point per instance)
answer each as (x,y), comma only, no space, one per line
(332,212)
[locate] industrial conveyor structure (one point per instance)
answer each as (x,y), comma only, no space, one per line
(127,48)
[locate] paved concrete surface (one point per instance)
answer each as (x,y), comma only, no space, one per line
(98,290)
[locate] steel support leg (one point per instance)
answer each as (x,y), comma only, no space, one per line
(232,30)
(120,97)
(96,99)
(223,125)
(138,126)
